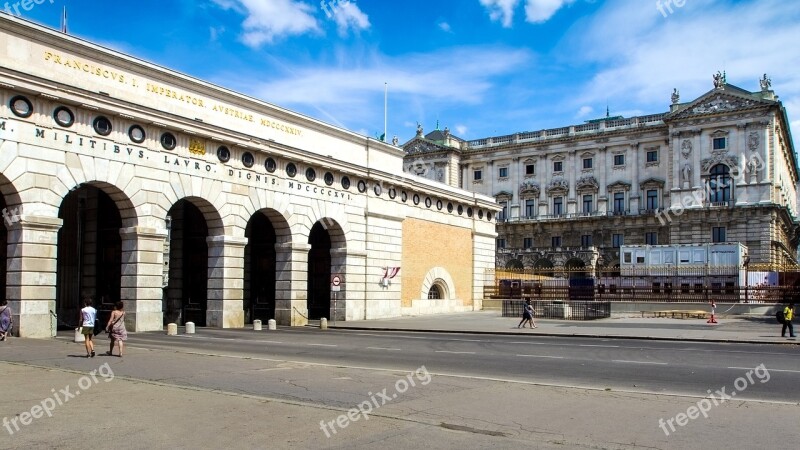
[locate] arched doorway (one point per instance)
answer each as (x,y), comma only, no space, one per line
(89,258)
(543,267)
(259,269)
(514,264)
(319,273)
(187,287)
(8,221)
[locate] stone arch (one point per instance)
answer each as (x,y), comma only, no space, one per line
(206,194)
(440,277)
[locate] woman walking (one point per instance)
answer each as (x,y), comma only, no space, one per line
(116,328)
(5,319)
(527,315)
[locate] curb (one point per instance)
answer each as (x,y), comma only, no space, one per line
(572,335)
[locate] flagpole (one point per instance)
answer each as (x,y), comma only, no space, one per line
(385,109)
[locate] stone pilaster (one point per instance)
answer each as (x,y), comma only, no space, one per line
(31,276)
(291,290)
(142,277)
(225,307)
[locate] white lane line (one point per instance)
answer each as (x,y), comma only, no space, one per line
(541,356)
(384,348)
(638,362)
(604,346)
(457,353)
(322,345)
(768,369)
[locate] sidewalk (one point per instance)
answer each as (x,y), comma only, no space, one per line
(740,330)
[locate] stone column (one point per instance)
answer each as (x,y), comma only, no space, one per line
(291,296)
(225,282)
(143,277)
(31,276)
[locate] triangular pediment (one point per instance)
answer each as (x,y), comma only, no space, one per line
(722,100)
(421,145)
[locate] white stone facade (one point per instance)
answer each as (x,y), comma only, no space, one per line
(70,119)
(720,167)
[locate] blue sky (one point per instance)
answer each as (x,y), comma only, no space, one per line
(480,67)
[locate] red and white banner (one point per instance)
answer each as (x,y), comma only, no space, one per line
(390,272)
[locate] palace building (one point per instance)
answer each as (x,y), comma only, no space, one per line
(719,168)
(124,180)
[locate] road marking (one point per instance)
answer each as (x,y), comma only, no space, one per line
(458,353)
(604,346)
(638,362)
(384,348)
(767,370)
(541,356)
(322,345)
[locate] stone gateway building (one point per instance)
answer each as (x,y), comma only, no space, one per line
(719,168)
(124,180)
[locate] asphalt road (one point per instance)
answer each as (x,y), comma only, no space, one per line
(625,365)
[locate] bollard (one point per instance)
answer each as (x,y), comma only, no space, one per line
(78,336)
(172,329)
(189,327)
(256,325)
(272,325)
(323,324)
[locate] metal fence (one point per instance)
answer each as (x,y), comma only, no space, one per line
(669,285)
(571,310)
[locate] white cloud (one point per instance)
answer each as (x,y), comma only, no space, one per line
(539,11)
(648,55)
(584,111)
(461,130)
(347,15)
(268,20)
(501,10)
(351,92)
(444,26)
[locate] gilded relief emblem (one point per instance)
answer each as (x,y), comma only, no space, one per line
(197,147)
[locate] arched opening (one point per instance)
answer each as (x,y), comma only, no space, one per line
(514,264)
(543,267)
(8,221)
(576,268)
(187,286)
(435,292)
(259,269)
(319,273)
(89,258)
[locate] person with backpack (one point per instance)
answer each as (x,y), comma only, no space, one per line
(788,315)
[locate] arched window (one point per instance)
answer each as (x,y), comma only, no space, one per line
(719,184)
(435,293)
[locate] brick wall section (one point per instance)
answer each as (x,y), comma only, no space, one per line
(428,245)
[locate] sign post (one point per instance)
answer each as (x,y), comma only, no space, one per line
(336,287)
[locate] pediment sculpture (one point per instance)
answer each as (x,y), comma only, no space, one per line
(558,185)
(529,188)
(587,183)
